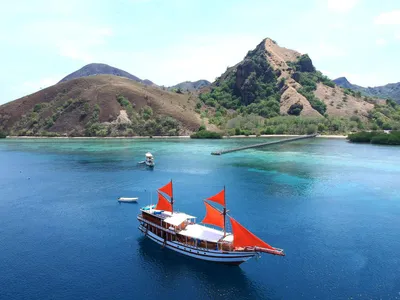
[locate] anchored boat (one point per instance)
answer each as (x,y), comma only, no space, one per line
(149,160)
(180,232)
(125,199)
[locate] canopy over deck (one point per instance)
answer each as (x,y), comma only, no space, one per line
(200,232)
(177,218)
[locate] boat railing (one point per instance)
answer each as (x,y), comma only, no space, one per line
(140,218)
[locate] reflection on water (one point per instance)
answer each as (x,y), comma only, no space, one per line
(210,280)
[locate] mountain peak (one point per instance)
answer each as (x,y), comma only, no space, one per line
(391,90)
(191,85)
(103,69)
(343,82)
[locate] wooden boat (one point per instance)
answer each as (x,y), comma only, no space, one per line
(124,199)
(179,232)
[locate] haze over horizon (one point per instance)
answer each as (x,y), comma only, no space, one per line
(174,41)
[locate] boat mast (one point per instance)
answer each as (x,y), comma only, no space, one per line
(224,211)
(172,198)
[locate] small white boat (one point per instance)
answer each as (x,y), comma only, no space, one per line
(149,160)
(124,199)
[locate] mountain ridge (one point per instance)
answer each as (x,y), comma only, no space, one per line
(94,69)
(272,80)
(272,90)
(191,85)
(390,90)
(102,105)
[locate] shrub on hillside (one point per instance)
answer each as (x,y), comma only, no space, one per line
(123,101)
(363,137)
(375,137)
(295,109)
(146,112)
(205,134)
(315,103)
(392,138)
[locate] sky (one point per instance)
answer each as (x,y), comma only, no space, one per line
(172,41)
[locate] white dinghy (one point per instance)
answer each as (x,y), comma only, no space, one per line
(125,199)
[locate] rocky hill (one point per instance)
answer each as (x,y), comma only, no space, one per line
(263,92)
(190,86)
(102,105)
(273,90)
(273,80)
(391,90)
(103,69)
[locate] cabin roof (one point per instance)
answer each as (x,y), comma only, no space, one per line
(203,233)
(177,218)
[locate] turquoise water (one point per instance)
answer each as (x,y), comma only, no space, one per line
(333,206)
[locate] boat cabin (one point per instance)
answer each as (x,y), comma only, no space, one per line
(183,228)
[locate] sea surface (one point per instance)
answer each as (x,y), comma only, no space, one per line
(332,205)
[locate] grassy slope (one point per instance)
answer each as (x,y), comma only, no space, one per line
(101,90)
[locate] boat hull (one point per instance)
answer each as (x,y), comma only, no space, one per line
(225,257)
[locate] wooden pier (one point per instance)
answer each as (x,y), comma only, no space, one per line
(220,152)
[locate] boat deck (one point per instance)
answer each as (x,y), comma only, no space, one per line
(191,230)
(200,232)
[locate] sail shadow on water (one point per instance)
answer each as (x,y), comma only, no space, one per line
(216,280)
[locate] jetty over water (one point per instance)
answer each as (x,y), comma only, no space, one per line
(220,152)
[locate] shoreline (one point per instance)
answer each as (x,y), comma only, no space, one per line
(330,136)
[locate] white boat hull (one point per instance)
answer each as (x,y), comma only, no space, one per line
(123,199)
(226,257)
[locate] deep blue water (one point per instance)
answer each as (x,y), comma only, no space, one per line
(333,206)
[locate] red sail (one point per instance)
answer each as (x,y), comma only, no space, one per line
(244,238)
(213,216)
(167,189)
(218,198)
(163,203)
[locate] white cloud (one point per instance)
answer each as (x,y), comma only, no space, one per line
(199,57)
(32,86)
(75,51)
(337,25)
(75,40)
(388,18)
(80,46)
(82,41)
(341,6)
(322,50)
(41,83)
(381,42)
(365,79)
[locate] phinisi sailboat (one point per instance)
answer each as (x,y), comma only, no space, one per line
(180,232)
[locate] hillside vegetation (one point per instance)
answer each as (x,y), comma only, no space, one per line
(273,90)
(100,106)
(382,138)
(190,86)
(388,91)
(278,90)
